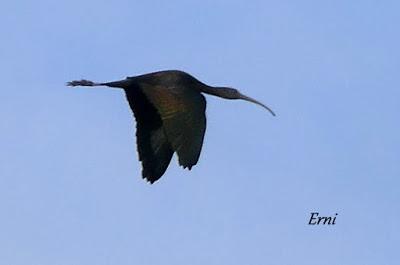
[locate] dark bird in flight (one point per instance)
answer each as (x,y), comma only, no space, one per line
(170,116)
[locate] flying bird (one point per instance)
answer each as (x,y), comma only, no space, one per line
(170,116)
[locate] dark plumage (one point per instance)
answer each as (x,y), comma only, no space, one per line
(170,114)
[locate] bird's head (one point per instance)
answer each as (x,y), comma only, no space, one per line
(232,93)
(229,92)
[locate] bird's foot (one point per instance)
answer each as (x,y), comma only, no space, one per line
(82,82)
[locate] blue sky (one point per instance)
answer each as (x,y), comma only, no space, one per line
(70,185)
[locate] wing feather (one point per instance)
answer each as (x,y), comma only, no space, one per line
(182,111)
(155,151)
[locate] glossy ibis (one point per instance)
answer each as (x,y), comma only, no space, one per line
(170,115)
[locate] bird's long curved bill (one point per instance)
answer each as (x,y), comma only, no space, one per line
(257,102)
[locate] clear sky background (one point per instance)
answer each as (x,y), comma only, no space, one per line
(70,185)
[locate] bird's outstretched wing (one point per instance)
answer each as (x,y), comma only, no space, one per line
(154,150)
(182,111)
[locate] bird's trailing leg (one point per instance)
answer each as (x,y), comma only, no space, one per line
(121,83)
(83,82)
